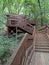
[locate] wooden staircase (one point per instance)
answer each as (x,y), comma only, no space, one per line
(41,50)
(42,43)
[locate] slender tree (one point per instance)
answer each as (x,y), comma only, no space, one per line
(41,13)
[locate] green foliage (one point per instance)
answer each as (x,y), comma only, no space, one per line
(6,43)
(26,7)
(3,20)
(31,8)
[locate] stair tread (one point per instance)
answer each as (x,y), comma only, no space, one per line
(43,47)
(44,50)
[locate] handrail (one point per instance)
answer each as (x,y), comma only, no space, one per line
(24,51)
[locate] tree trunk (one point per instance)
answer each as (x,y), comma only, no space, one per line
(40,13)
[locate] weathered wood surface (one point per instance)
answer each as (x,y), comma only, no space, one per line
(20,22)
(41,46)
(23,53)
(42,43)
(40,59)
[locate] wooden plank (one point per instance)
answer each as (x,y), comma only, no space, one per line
(25,26)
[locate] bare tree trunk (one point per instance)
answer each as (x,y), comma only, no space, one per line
(40,13)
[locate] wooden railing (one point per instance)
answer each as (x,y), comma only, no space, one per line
(24,51)
(47,32)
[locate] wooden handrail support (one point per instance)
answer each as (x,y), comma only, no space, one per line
(47,30)
(23,53)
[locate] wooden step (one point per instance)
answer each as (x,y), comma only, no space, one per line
(43,47)
(42,50)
